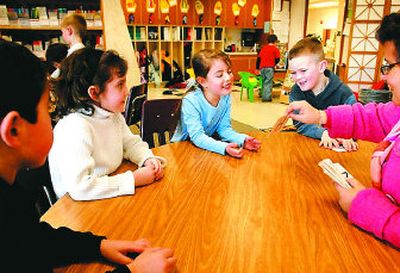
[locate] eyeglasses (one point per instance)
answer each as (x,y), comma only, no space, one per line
(385,69)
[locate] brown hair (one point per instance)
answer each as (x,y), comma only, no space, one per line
(307,46)
(203,60)
(77,22)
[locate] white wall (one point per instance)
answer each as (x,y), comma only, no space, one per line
(321,18)
(296,29)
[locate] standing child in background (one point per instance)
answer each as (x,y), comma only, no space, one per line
(318,86)
(92,138)
(375,209)
(55,53)
(73,28)
(207,110)
(267,59)
(25,140)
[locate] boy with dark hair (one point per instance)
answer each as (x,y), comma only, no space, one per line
(55,53)
(267,59)
(25,140)
(318,86)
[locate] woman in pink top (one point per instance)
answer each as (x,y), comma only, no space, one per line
(375,209)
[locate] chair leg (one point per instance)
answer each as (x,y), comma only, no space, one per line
(251,94)
(241,92)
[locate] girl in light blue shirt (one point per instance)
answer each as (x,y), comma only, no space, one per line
(206,111)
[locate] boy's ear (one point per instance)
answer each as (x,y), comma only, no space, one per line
(202,81)
(322,65)
(10,129)
(93,92)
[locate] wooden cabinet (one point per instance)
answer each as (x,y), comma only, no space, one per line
(242,62)
(37,34)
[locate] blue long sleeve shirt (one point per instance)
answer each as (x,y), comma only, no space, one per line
(200,121)
(335,93)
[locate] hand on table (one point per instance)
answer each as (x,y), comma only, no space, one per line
(156,164)
(349,144)
(251,144)
(144,175)
(115,251)
(346,196)
(154,260)
(328,142)
(233,150)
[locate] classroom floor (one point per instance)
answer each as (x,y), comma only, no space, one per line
(260,115)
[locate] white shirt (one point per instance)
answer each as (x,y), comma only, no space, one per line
(87,149)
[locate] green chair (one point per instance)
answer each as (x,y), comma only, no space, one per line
(249,81)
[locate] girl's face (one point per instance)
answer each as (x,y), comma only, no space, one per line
(114,96)
(393,76)
(306,71)
(219,79)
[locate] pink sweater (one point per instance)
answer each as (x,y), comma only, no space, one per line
(371,209)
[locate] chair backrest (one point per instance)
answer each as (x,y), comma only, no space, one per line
(134,103)
(248,79)
(159,120)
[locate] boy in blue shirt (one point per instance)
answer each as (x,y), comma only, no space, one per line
(319,87)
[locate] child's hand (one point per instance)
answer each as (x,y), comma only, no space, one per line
(348,144)
(306,113)
(328,142)
(233,150)
(346,196)
(156,165)
(252,144)
(115,251)
(144,175)
(154,260)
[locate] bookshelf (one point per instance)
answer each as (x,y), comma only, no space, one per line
(180,41)
(36,23)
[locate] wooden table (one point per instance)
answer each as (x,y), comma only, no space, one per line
(272,211)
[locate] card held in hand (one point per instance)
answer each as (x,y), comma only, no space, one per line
(336,172)
(279,124)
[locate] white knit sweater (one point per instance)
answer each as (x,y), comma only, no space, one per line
(87,149)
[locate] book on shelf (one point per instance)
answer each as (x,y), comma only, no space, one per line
(3,15)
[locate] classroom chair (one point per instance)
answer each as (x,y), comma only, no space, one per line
(134,103)
(159,120)
(249,81)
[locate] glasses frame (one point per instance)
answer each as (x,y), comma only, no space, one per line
(385,69)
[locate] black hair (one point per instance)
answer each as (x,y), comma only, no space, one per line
(80,70)
(272,38)
(389,30)
(55,53)
(23,80)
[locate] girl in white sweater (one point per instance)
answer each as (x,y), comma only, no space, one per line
(91,139)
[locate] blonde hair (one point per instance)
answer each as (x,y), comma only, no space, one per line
(77,22)
(307,46)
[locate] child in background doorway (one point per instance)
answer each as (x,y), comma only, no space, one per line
(25,140)
(73,28)
(206,111)
(375,209)
(91,139)
(267,59)
(318,86)
(55,53)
